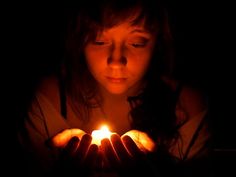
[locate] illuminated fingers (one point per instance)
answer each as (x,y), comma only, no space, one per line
(62,138)
(83,147)
(71,147)
(91,158)
(131,146)
(109,153)
(120,149)
(142,140)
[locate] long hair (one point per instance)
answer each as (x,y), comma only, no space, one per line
(156,108)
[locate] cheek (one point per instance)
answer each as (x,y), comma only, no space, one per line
(96,53)
(94,60)
(94,66)
(140,63)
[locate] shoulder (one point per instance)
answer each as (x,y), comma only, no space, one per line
(191,113)
(49,88)
(191,99)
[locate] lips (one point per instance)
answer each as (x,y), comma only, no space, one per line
(116,79)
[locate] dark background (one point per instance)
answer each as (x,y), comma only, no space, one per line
(33,37)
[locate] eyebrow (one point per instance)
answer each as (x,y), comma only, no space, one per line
(140,31)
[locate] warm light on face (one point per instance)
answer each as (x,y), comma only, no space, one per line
(99,135)
(119,57)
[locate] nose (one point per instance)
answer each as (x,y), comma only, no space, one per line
(116,57)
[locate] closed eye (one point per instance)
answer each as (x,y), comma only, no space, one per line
(138,45)
(100,42)
(138,42)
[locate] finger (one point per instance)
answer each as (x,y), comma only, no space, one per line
(109,153)
(83,147)
(90,160)
(77,132)
(61,139)
(120,149)
(71,146)
(132,147)
(99,161)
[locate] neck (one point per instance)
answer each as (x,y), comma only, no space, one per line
(115,109)
(106,97)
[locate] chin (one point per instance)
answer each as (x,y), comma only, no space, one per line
(117,90)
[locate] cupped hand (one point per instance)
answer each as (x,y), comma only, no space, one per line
(76,153)
(142,140)
(128,154)
(61,139)
(120,153)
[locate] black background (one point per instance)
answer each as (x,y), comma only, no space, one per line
(33,37)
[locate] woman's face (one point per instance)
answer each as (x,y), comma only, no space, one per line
(119,57)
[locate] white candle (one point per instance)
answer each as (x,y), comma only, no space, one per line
(98,135)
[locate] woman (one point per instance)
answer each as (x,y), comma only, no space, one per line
(118,70)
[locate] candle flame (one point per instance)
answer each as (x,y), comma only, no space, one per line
(99,135)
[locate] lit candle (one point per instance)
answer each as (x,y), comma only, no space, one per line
(98,135)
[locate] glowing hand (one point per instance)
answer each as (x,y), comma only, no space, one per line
(119,153)
(128,152)
(76,149)
(61,139)
(142,140)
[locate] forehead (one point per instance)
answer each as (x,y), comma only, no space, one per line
(125,27)
(134,23)
(129,19)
